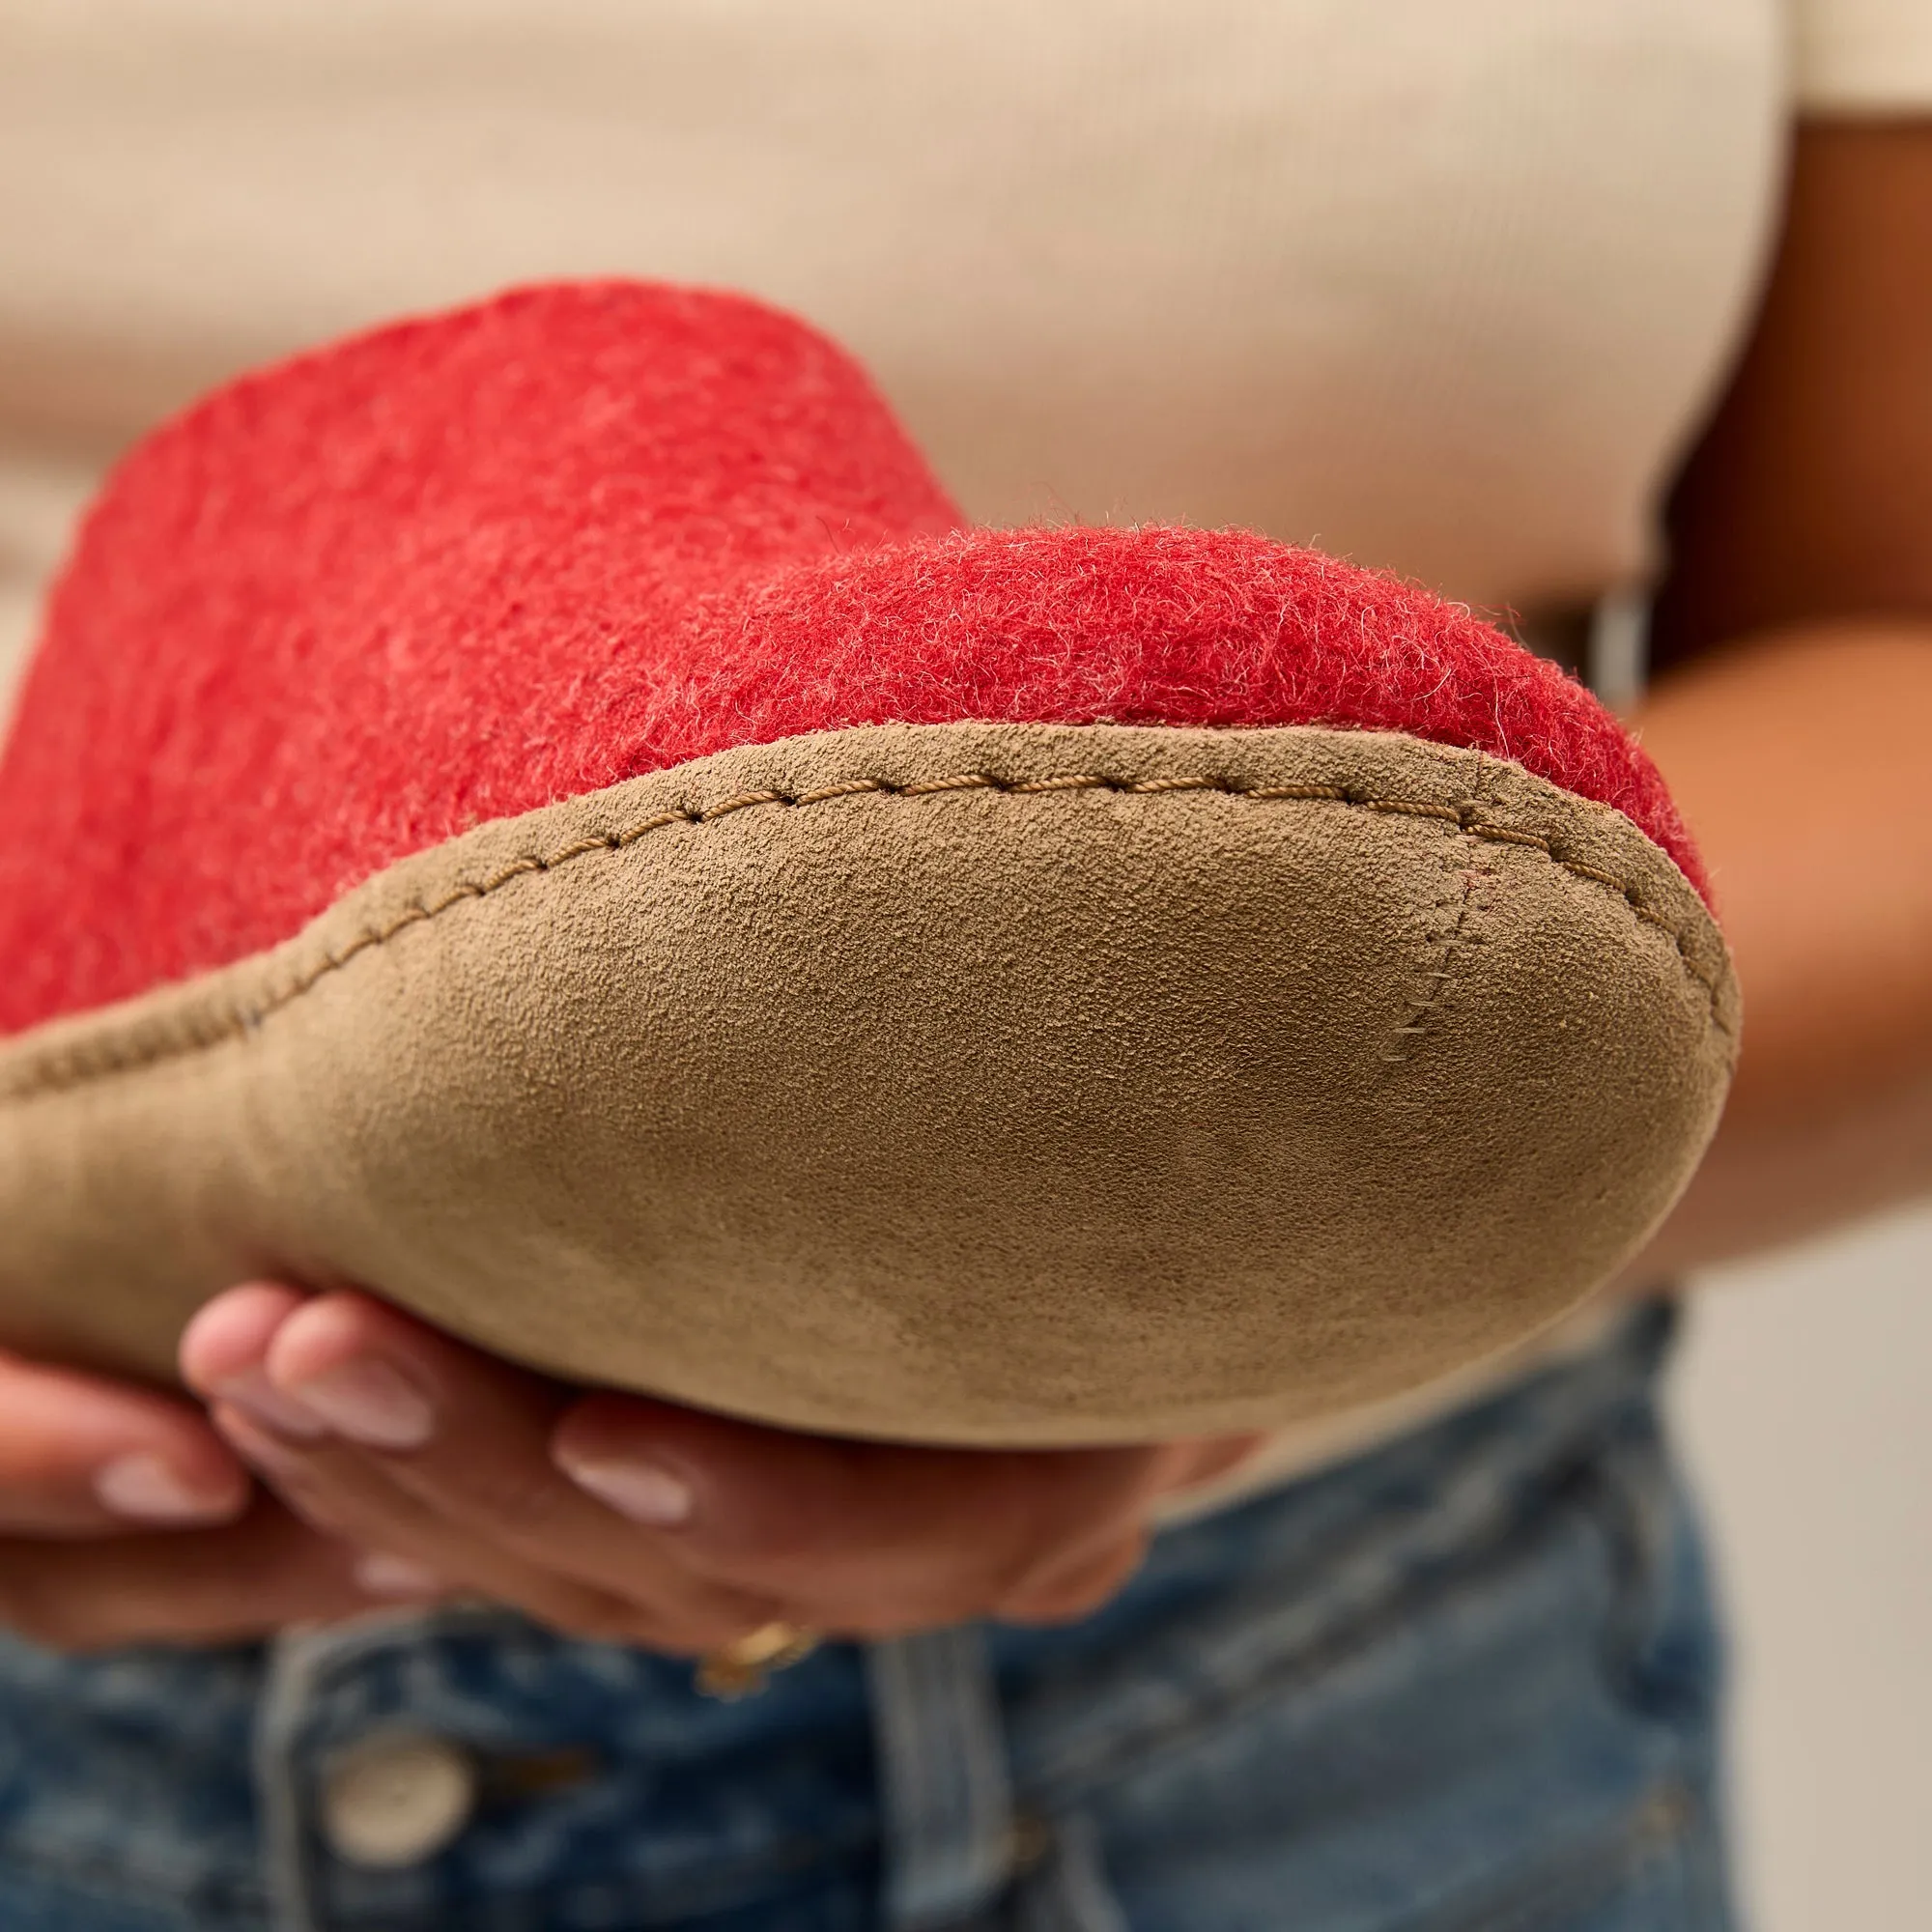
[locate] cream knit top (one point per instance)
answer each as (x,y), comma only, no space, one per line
(1439,284)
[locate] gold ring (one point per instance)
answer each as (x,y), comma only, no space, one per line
(740,1669)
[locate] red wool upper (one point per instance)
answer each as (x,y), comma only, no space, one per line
(460,568)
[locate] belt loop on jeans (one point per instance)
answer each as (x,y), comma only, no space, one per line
(945,1796)
(300,1661)
(297,1658)
(1069,1892)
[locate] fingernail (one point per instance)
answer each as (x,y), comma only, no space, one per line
(262,1449)
(371,1403)
(646,1492)
(257,1396)
(144,1488)
(383,1574)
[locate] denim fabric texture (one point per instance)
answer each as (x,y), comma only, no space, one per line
(1466,1683)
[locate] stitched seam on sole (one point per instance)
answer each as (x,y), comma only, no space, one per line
(1455,943)
(83,1063)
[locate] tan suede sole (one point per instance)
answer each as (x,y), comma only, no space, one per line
(966,1083)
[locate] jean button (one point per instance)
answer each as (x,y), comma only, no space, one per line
(396,1799)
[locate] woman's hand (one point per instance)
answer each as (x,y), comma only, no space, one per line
(640,1522)
(124,1519)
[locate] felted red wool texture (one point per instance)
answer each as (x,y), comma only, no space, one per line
(460,568)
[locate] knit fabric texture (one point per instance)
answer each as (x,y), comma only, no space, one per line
(463,567)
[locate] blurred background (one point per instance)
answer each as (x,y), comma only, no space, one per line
(1805,1399)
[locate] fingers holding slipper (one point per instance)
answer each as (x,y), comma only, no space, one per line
(389,1432)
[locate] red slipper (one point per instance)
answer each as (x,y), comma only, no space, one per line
(542,812)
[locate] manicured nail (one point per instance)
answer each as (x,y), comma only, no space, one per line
(383,1574)
(265,1450)
(257,1396)
(144,1488)
(646,1492)
(370,1402)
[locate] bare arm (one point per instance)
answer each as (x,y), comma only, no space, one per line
(1799,741)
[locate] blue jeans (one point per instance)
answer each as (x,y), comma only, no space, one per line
(1462,1683)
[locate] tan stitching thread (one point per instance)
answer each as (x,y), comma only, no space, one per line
(82,1064)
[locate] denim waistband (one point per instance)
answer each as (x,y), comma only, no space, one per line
(200,1783)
